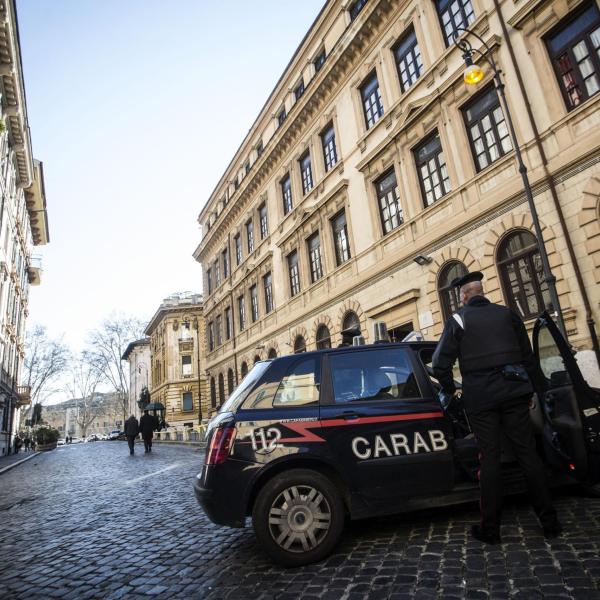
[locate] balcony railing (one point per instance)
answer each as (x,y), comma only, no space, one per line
(24,394)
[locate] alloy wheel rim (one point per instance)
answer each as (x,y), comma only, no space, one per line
(299,518)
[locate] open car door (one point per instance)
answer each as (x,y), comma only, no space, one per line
(570,406)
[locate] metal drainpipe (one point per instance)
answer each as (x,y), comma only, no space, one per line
(199,374)
(553,192)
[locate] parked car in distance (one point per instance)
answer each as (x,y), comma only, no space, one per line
(114,434)
(61,442)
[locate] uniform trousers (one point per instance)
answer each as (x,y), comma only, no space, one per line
(512,418)
(147,444)
(131,442)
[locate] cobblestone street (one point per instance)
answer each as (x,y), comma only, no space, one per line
(89,521)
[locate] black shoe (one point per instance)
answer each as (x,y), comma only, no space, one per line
(553,531)
(484,536)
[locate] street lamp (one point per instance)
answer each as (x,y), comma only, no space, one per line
(473,74)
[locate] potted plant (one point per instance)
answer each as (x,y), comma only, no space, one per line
(46,438)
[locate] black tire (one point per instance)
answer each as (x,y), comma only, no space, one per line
(308,520)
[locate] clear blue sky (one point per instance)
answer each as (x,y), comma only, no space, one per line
(136,108)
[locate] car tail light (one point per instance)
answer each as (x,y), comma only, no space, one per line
(220,445)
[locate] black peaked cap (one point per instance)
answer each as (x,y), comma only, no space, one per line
(468,278)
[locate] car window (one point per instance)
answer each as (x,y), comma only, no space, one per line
(300,386)
(551,361)
(426,356)
(373,375)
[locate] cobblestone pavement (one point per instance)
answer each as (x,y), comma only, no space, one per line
(89,521)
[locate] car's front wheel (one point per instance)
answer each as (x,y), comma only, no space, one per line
(298,517)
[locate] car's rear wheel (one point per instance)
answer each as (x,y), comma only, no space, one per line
(298,517)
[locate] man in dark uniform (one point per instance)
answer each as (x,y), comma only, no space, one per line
(132,429)
(496,361)
(147,425)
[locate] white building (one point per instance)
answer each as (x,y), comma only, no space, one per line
(23,224)
(137,354)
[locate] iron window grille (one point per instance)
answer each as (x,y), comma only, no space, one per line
(575,52)
(286,194)
(522,275)
(371,100)
(487,130)
(299,90)
(329,149)
(225,256)
(254,303)
(242,313)
(306,173)
(454,14)
(408,60)
(449,294)
(319,60)
(227,323)
(268,287)
(294,272)
(218,330)
(314,256)
(432,170)
(340,238)
(355,8)
(389,202)
(250,236)
(264,222)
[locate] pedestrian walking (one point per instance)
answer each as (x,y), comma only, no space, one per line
(17,443)
(496,362)
(33,444)
(132,429)
(147,424)
(27,443)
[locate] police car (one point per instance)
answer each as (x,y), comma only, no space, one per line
(310,439)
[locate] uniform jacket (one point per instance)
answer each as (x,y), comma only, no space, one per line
(493,336)
(132,427)
(147,424)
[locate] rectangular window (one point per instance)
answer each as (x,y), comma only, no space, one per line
(340,238)
(227,323)
(389,202)
(294,272)
(186,366)
(281,117)
(268,286)
(454,14)
(286,194)
(299,90)
(314,256)
(306,173)
(236,183)
(247,168)
(217,269)
(187,403)
(355,8)
(250,236)
(486,128)
(242,312)
(329,149)
(431,167)
(211,336)
(264,222)
(218,330)
(371,100)
(209,281)
(408,60)
(575,52)
(254,303)
(319,60)
(225,258)
(259,149)
(238,249)
(300,386)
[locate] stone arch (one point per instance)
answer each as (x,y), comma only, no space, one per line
(294,334)
(272,345)
(589,221)
(494,239)
(346,307)
(324,320)
(448,254)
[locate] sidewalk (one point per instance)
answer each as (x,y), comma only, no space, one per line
(12,460)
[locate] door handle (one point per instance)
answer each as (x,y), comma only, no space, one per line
(349,415)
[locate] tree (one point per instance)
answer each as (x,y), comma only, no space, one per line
(107,344)
(81,386)
(46,361)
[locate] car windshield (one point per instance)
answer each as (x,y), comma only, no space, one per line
(242,390)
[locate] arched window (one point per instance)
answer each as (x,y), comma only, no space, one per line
(221,389)
(449,295)
(256,358)
(230,381)
(323,337)
(299,344)
(244,369)
(351,321)
(213,393)
(521,272)
(272,353)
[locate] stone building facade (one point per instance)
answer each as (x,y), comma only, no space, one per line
(178,363)
(137,354)
(373,175)
(23,224)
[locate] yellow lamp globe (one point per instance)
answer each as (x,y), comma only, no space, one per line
(473,74)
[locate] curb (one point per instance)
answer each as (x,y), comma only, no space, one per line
(175,443)
(16,464)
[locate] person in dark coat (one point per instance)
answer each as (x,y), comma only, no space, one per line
(132,429)
(496,362)
(147,424)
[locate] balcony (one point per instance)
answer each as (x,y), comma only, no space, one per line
(186,344)
(34,270)
(24,395)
